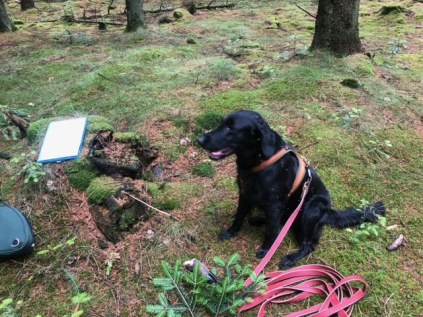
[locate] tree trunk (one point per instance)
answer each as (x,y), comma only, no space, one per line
(5,23)
(337,27)
(134,14)
(27,4)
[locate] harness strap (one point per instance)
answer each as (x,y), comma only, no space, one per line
(302,167)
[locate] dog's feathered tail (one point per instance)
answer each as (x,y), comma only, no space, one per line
(353,217)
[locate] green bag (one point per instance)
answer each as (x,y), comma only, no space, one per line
(16,235)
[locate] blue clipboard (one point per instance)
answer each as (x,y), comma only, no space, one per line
(63,141)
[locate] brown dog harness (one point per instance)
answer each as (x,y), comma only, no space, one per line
(301,172)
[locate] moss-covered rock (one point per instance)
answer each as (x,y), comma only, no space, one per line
(181,13)
(391,9)
(101,188)
(130,137)
(351,83)
(240,47)
(98,123)
(80,173)
(273,23)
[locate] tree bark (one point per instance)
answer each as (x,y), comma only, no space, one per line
(135,15)
(337,27)
(27,4)
(5,24)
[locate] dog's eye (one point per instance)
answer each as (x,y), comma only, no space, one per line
(230,124)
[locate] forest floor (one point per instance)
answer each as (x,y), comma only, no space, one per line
(366,143)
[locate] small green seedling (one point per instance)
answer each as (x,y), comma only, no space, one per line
(30,170)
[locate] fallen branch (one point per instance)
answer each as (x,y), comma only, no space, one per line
(149,206)
(312,15)
(18,121)
(79,21)
(207,7)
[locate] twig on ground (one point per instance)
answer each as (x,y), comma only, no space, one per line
(149,206)
(206,7)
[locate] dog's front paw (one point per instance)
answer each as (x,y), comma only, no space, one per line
(226,235)
(261,253)
(286,262)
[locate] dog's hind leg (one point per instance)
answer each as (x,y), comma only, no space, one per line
(310,230)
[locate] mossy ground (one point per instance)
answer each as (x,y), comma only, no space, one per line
(366,143)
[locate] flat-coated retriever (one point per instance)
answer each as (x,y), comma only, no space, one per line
(245,134)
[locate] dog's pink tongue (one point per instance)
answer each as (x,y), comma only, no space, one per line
(216,154)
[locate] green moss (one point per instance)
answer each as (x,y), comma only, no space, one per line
(228,184)
(129,137)
(207,121)
(232,100)
(181,14)
(128,219)
(297,83)
(80,173)
(172,195)
(204,170)
(223,69)
(181,123)
(351,82)
(273,22)
(101,188)
(241,47)
(98,124)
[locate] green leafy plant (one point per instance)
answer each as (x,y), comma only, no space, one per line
(7,309)
(111,258)
(367,230)
(185,293)
(56,247)
(380,148)
(78,300)
(396,46)
(350,117)
(30,170)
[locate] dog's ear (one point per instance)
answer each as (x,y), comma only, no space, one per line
(266,137)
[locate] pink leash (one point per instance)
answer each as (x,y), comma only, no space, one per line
(300,283)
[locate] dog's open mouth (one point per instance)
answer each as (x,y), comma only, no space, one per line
(218,155)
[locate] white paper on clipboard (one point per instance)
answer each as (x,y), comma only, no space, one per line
(63,140)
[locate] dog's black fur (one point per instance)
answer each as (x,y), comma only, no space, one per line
(245,134)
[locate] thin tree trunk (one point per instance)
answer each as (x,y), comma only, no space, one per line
(337,27)
(27,4)
(5,24)
(134,14)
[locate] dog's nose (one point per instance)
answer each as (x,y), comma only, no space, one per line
(201,139)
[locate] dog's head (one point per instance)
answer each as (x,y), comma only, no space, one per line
(240,132)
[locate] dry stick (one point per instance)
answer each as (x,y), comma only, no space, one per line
(154,208)
(229,5)
(313,16)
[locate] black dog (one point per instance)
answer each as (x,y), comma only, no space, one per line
(250,138)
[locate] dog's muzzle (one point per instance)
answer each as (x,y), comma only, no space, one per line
(214,154)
